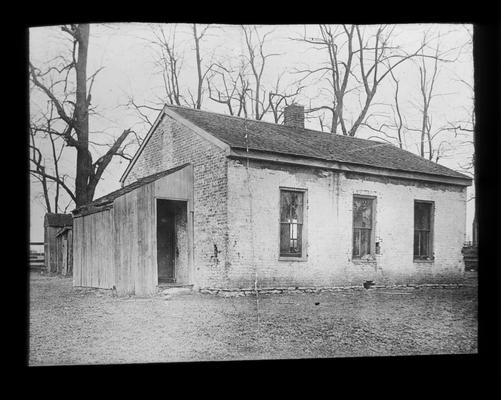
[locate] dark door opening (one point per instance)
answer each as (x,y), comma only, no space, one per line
(172,255)
(166,241)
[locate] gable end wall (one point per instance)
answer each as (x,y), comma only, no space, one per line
(172,144)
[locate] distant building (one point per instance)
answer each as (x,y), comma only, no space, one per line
(216,201)
(52,225)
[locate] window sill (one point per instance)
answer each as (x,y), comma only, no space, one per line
(423,261)
(294,259)
(371,260)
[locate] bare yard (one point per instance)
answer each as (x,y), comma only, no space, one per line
(83,326)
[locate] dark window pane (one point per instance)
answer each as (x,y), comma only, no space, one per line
(284,238)
(416,243)
(362,226)
(298,248)
(365,242)
(362,212)
(356,242)
(284,206)
(291,217)
(422,215)
(425,244)
(422,230)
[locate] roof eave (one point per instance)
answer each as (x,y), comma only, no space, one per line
(346,166)
(143,144)
(173,114)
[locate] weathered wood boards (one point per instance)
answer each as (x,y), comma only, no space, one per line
(54,224)
(117,245)
(93,250)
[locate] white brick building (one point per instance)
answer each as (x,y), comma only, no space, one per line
(285,206)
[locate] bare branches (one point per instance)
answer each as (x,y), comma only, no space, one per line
(170,64)
(102,162)
(279,99)
(355,62)
(201,76)
(169,61)
(71,99)
(256,58)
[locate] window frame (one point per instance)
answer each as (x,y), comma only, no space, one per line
(431,250)
(372,247)
(304,230)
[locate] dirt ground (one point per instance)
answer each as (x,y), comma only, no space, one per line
(84,326)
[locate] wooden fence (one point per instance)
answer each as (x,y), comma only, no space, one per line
(37,258)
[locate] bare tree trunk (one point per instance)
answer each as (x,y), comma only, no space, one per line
(37,159)
(56,172)
(88,173)
(83,164)
(199,68)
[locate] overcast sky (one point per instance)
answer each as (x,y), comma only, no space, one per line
(127,56)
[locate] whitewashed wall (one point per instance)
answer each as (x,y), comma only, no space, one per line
(253,244)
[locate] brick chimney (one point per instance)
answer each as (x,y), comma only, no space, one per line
(294,116)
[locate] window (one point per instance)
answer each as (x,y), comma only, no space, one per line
(363,224)
(291,223)
(423,213)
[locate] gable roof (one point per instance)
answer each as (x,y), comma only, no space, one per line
(281,139)
(103,201)
(58,220)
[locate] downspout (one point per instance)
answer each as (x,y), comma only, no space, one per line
(246,136)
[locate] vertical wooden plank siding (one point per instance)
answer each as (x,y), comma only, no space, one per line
(77,265)
(85,269)
(141,216)
(152,240)
(117,247)
(97,237)
(70,252)
(117,253)
(50,240)
(146,275)
(135,242)
(92,250)
(64,251)
(122,244)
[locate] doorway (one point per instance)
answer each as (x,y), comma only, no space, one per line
(171,240)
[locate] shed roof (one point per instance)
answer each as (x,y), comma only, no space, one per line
(281,139)
(58,220)
(106,200)
(62,230)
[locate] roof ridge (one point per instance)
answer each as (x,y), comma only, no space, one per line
(284,139)
(274,124)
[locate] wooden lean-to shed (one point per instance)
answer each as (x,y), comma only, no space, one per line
(138,236)
(53,223)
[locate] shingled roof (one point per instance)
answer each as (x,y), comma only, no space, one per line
(281,139)
(58,220)
(106,200)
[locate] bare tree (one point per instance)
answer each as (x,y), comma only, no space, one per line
(353,57)
(393,131)
(432,144)
(237,86)
(257,58)
(197,37)
(278,99)
(170,63)
(229,85)
(73,106)
(44,129)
